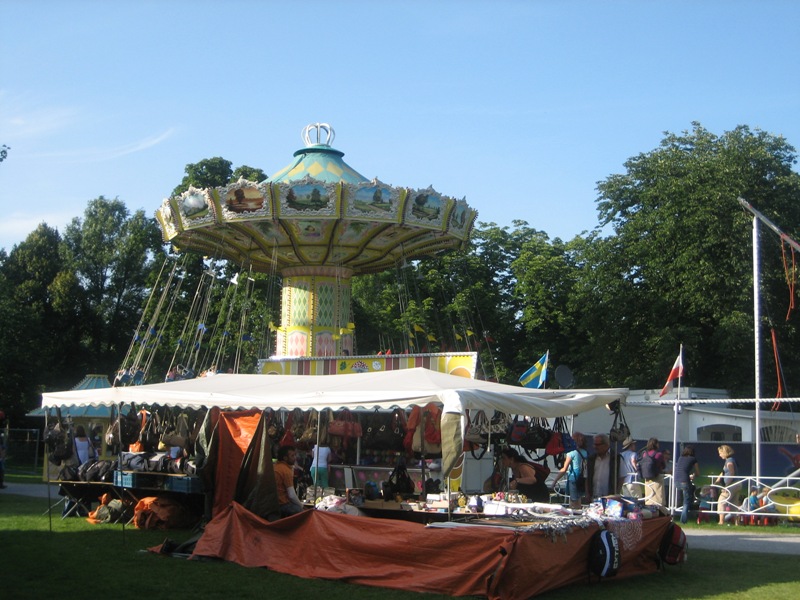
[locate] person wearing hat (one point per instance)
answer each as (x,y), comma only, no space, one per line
(630,487)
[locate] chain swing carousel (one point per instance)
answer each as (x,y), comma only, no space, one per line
(317,223)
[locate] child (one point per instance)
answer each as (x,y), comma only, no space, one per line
(752,502)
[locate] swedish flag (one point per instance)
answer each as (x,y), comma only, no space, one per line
(537,374)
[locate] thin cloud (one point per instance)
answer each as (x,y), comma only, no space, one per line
(19,121)
(140,145)
(104,154)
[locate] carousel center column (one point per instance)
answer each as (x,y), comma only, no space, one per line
(315,312)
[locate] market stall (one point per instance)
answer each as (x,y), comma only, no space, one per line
(496,559)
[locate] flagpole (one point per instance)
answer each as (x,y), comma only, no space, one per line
(544,370)
(673,492)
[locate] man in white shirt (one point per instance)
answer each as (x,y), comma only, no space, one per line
(605,473)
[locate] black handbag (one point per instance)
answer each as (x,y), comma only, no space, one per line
(529,435)
(385,431)
(399,483)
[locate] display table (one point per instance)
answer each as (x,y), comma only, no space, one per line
(467,559)
(81,495)
(383,509)
(129,486)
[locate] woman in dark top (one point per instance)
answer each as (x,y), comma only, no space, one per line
(526,480)
(684,472)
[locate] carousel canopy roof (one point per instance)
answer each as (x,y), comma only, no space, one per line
(317,211)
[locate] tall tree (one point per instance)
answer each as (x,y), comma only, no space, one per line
(39,320)
(112,254)
(249,173)
(677,268)
(209,172)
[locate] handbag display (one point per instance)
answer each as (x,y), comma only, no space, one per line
(427,438)
(399,483)
(309,436)
(566,438)
(619,428)
(477,428)
(345,425)
(554,445)
(528,434)
(385,431)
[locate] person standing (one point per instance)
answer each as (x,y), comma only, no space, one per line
(575,470)
(319,465)
(651,466)
(84,447)
(630,487)
(604,471)
(686,470)
(729,496)
(284,480)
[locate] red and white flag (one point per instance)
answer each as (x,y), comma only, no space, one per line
(675,373)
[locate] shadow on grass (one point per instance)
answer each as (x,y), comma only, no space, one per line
(76,559)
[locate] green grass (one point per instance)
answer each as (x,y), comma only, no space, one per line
(70,558)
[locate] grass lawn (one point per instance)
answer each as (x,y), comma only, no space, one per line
(47,557)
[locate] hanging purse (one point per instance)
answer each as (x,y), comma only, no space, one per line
(554,445)
(477,428)
(619,429)
(309,436)
(428,430)
(385,431)
(536,436)
(345,425)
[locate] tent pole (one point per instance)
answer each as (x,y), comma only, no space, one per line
(315,460)
(47,472)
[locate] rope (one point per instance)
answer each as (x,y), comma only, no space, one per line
(791,274)
(778,369)
(144,314)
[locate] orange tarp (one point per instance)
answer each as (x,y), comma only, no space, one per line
(462,561)
(235,431)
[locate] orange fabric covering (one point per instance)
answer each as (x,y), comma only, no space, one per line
(235,431)
(463,561)
(162,513)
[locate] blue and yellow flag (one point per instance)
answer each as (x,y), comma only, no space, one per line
(537,374)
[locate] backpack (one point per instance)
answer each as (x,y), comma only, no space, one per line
(59,444)
(101,470)
(371,491)
(674,547)
(647,466)
(542,470)
(604,557)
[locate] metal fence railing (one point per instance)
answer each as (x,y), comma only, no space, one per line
(24,452)
(778,497)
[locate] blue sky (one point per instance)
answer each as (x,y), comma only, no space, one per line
(519,107)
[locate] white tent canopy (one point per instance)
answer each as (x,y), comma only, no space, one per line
(386,389)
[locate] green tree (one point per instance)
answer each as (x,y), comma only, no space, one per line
(209,172)
(216,172)
(249,173)
(677,268)
(40,321)
(111,254)
(546,274)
